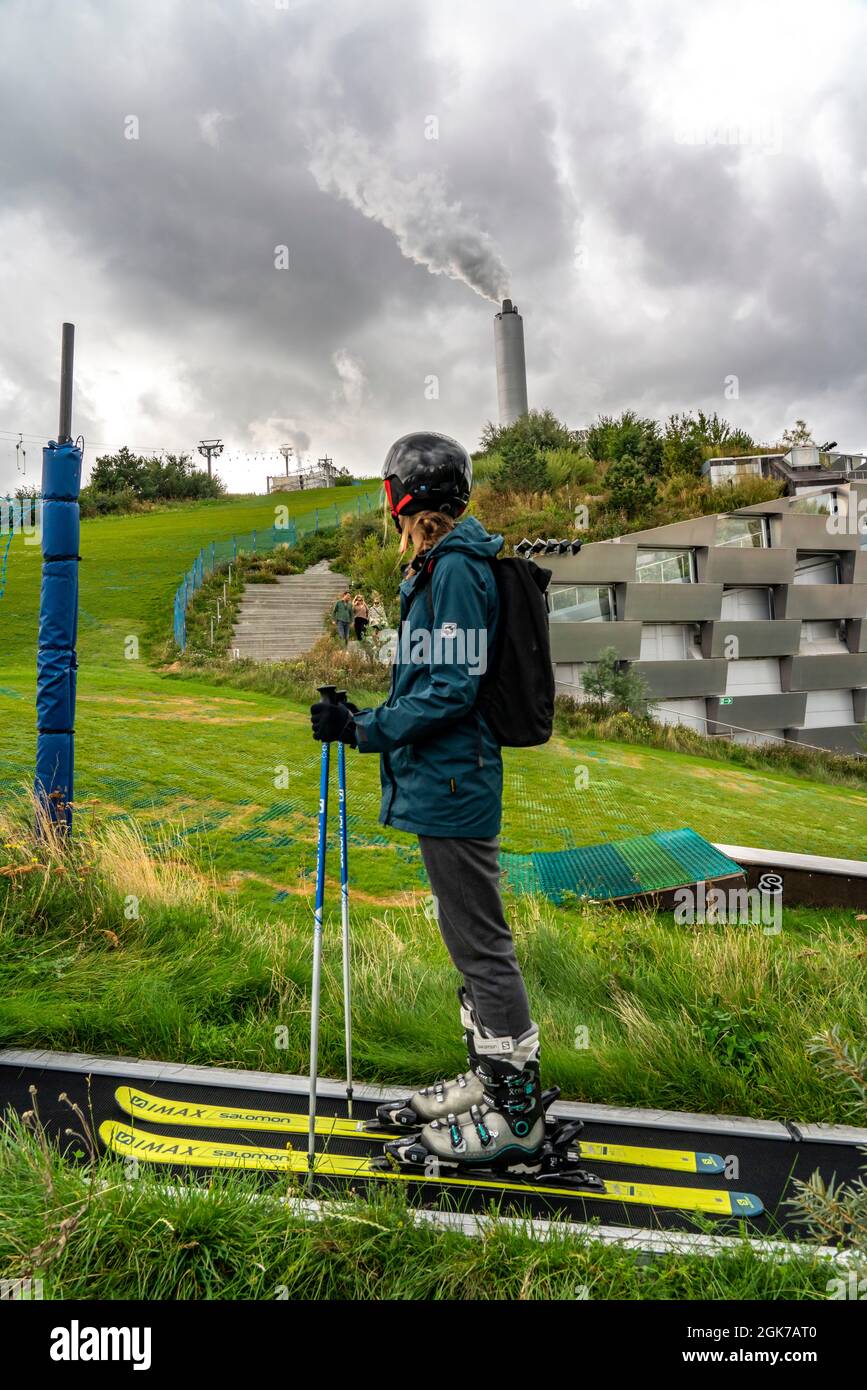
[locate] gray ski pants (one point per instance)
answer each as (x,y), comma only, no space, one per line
(465,879)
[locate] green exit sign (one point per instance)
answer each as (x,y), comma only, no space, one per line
(726,700)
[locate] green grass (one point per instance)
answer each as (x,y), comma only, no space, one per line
(111,1238)
(201,750)
(197,800)
(228,776)
(130,569)
(632,1010)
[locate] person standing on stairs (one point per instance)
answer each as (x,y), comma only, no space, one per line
(360,615)
(342,615)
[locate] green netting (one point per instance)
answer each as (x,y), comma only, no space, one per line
(622,869)
(278,840)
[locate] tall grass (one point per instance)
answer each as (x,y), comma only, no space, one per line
(98,1235)
(124,946)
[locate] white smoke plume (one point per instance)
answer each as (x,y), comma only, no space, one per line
(352,378)
(429,229)
(276,430)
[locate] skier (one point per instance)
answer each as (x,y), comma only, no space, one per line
(442,779)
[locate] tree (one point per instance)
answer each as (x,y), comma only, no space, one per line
(625,436)
(117,472)
(630,490)
(614,684)
(683,445)
(718,434)
(800,433)
(150,479)
(541,428)
(523,468)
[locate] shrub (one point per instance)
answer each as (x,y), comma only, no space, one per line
(94,503)
(523,468)
(683,446)
(616,688)
(630,490)
(567,466)
(625,436)
(540,428)
(374,568)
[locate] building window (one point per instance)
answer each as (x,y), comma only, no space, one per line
(669,641)
(569,679)
(692,714)
(747,605)
(822,637)
(761,677)
(828,709)
(727,470)
(582,603)
(746,532)
(816,504)
(665,567)
(817,569)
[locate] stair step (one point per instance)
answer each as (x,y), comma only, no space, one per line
(282,621)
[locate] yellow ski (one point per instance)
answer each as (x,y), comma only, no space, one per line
(147,1147)
(156,1109)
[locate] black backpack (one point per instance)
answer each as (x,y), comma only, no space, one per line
(516,693)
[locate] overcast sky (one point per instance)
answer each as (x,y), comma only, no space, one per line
(674,192)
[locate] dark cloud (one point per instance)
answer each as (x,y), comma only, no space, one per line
(664,221)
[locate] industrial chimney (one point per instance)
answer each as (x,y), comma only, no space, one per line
(511,367)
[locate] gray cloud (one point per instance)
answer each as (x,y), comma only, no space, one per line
(579,145)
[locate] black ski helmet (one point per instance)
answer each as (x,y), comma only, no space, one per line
(427,472)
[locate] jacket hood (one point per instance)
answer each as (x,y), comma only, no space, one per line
(471,538)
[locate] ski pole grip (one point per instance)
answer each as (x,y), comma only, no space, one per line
(328,693)
(340,697)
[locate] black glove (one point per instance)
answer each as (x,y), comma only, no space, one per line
(332,723)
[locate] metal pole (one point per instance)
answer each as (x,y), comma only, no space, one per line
(344,913)
(327,693)
(67,350)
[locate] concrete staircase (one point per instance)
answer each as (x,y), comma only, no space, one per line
(278,622)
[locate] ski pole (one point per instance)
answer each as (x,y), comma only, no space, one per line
(344,910)
(327,693)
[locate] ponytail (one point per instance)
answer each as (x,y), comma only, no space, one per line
(423,530)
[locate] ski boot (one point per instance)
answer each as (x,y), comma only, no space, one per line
(443,1097)
(506,1132)
(507,1127)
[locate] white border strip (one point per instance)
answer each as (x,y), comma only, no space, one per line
(476,1227)
(784,859)
(737,1126)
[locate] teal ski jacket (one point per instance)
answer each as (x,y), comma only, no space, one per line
(441,768)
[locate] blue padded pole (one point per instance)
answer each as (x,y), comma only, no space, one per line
(56,663)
